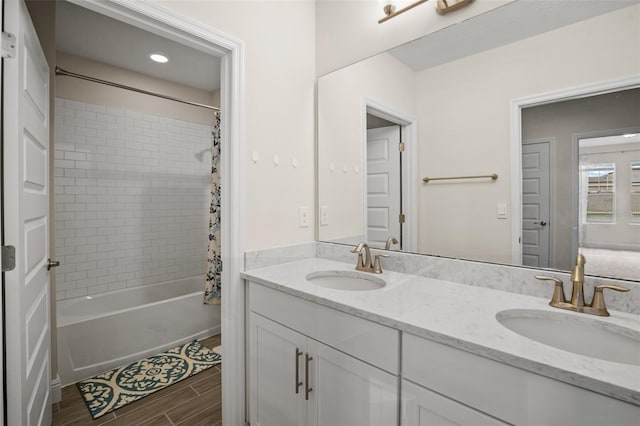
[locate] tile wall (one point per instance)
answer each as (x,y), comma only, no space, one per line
(131,198)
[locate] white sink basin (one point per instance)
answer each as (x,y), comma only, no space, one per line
(581,335)
(346,280)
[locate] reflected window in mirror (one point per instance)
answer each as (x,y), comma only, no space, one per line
(598,183)
(609,231)
(635,191)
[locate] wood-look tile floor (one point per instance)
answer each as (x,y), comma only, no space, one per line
(192,402)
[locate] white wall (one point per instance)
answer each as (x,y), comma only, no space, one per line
(342,139)
(279,82)
(464,106)
(347,31)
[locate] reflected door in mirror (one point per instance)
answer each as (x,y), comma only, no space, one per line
(383,185)
(536,199)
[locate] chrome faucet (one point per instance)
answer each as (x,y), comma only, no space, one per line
(577,303)
(366,264)
(390,241)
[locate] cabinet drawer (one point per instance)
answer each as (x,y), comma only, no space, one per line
(422,407)
(508,393)
(362,339)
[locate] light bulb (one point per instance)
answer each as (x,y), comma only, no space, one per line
(159,57)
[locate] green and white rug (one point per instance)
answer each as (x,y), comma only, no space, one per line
(116,388)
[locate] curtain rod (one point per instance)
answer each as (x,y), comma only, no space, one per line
(60,71)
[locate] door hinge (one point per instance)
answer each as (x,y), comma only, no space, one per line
(401,147)
(401,218)
(8,45)
(8,258)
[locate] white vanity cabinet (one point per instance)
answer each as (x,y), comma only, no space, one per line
(312,365)
(423,407)
(276,387)
(491,392)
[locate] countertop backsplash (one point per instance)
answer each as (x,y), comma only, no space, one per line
(512,279)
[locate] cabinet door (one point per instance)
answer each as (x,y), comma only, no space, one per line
(422,407)
(276,359)
(348,392)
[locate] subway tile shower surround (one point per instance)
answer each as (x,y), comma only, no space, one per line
(131,196)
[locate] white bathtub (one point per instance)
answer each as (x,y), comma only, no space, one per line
(101,332)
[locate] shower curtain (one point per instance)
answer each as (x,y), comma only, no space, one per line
(212,286)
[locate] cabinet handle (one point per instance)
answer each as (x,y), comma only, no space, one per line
(298,382)
(307,388)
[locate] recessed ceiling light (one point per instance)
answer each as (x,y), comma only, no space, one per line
(159,57)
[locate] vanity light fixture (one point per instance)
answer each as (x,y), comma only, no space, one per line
(442,7)
(159,57)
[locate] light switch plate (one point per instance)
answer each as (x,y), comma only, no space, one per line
(324,215)
(303,217)
(501,211)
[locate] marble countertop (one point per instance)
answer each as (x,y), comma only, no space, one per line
(463,317)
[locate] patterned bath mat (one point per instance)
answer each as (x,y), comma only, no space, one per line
(116,388)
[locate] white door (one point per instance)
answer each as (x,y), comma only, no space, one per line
(422,407)
(349,392)
(26,211)
(276,364)
(383,185)
(536,190)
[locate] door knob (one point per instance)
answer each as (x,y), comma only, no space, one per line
(52,264)
(541,223)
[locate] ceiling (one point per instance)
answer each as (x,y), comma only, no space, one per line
(88,34)
(629,138)
(499,27)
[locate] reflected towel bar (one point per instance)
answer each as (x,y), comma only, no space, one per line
(492,176)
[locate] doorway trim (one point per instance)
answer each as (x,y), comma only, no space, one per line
(515,108)
(3,413)
(172,25)
(409,178)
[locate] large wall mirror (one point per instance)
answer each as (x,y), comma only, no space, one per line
(512,137)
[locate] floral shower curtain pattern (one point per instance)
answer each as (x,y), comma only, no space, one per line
(213,279)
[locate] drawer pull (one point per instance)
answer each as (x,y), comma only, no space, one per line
(298,382)
(308,388)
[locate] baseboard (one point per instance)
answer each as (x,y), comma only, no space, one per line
(56,390)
